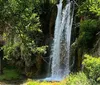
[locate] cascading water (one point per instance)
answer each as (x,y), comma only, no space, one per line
(61,46)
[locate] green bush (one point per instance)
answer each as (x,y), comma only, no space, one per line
(88,30)
(92,68)
(77,79)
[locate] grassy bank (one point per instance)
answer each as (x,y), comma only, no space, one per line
(73,79)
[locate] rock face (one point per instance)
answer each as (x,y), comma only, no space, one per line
(76,57)
(96,49)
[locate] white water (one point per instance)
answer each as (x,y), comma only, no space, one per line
(61,46)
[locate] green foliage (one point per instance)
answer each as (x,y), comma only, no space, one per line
(89,7)
(32,83)
(73,79)
(9,74)
(88,30)
(92,68)
(22,33)
(77,79)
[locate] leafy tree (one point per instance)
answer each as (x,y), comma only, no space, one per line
(88,30)
(22,34)
(89,7)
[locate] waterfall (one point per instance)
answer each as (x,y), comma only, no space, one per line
(61,46)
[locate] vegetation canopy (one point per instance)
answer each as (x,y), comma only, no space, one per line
(26,37)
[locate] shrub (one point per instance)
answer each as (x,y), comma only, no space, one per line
(92,68)
(88,30)
(77,79)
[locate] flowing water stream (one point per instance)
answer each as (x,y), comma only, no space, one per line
(61,46)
